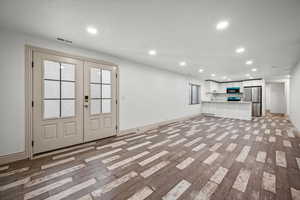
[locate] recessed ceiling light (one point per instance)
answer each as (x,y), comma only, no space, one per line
(288,76)
(229,79)
(247,75)
(213,75)
(222,25)
(200,70)
(254,69)
(250,77)
(152,52)
(92,30)
(249,62)
(224,77)
(240,50)
(182,63)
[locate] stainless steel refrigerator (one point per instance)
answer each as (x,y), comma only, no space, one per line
(254,95)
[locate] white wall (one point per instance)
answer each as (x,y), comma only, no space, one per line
(147,95)
(12,117)
(287,95)
(295,96)
(268,99)
(285,102)
(277,98)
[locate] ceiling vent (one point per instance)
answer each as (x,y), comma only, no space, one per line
(280,68)
(64,40)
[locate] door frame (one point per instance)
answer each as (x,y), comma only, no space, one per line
(29,90)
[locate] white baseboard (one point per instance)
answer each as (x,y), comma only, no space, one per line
(148,127)
(296,131)
(22,155)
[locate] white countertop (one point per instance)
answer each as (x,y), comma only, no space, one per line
(228,109)
(236,102)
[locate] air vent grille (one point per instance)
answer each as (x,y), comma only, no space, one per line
(64,40)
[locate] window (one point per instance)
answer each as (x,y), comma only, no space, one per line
(194,94)
(100,91)
(58,90)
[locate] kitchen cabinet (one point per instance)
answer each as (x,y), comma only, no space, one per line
(252,83)
(222,88)
(212,87)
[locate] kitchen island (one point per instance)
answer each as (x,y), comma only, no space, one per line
(228,109)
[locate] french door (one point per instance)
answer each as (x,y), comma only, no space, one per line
(99,101)
(73,102)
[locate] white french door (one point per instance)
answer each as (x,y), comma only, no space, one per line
(57,98)
(73,102)
(99,101)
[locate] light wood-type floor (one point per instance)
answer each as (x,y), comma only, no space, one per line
(201,158)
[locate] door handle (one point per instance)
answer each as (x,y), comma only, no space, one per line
(86,100)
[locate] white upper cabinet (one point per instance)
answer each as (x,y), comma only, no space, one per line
(214,87)
(211,86)
(222,87)
(207,86)
(238,84)
(241,87)
(252,83)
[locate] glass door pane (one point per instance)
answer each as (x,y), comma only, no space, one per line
(51,89)
(106,91)
(95,75)
(51,70)
(95,106)
(67,72)
(95,91)
(106,105)
(106,76)
(67,108)
(67,90)
(51,109)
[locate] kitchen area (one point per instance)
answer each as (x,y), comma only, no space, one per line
(234,99)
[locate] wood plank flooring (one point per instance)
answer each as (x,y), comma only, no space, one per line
(203,158)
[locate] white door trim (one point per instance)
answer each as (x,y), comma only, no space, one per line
(28,90)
